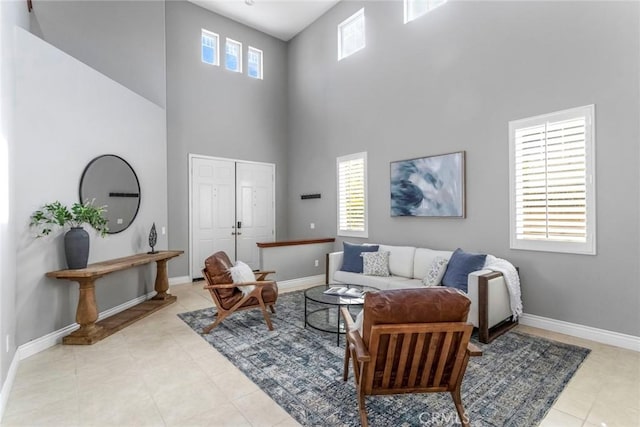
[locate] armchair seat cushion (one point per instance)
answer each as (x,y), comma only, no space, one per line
(269,295)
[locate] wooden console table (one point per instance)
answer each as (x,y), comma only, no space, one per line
(87,313)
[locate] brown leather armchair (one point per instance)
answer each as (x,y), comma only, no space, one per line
(227,295)
(412,341)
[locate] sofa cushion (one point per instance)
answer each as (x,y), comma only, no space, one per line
(375,263)
(404,283)
(436,272)
(400,259)
(461,264)
(391,282)
(361,279)
(352,261)
(423,260)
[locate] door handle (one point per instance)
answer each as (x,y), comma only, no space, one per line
(233,233)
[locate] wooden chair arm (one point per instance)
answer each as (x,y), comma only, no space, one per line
(261,275)
(348,320)
(355,341)
(473,350)
(237,285)
(256,283)
(353,337)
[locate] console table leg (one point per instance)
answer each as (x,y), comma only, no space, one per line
(162,280)
(86,316)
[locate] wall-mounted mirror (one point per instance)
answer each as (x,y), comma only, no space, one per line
(111,181)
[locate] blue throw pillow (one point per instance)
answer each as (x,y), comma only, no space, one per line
(352,261)
(460,265)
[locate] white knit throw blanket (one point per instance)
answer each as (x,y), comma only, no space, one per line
(512,280)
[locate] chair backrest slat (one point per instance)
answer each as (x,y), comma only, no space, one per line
(428,356)
(388,364)
(404,355)
(443,356)
(434,341)
(461,355)
(415,362)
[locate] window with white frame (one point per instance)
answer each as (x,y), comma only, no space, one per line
(210,46)
(352,195)
(254,63)
(552,182)
(351,35)
(415,8)
(233,55)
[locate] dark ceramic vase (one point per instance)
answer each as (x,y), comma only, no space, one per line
(76,248)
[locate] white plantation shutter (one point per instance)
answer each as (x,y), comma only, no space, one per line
(352,197)
(553,205)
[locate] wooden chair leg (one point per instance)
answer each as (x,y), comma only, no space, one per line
(457,400)
(347,353)
(265,313)
(362,409)
(220,317)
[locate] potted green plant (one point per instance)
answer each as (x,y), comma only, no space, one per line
(76,239)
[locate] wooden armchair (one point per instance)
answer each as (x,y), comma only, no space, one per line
(227,295)
(412,341)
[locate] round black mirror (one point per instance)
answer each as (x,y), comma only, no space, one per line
(111,181)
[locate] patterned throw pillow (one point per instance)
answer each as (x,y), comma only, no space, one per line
(436,272)
(375,263)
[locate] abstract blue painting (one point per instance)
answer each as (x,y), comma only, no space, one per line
(429,186)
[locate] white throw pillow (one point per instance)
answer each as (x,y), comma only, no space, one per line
(436,272)
(241,273)
(375,263)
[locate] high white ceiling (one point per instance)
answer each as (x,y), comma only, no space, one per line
(280,18)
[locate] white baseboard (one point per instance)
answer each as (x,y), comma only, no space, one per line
(180,280)
(301,282)
(40,344)
(8,382)
(603,336)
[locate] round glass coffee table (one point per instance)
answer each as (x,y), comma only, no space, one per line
(322,306)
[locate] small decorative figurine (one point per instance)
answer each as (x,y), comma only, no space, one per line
(153,238)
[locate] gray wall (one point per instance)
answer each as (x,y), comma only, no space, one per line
(67,114)
(294,262)
(214,112)
(124,40)
(452,80)
(12,14)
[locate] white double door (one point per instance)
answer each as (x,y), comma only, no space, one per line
(232,209)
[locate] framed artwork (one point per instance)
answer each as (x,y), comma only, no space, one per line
(429,186)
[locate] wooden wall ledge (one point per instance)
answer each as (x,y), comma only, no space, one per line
(295,242)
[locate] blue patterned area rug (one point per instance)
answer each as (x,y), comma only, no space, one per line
(514,383)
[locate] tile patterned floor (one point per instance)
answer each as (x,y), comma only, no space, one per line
(157,372)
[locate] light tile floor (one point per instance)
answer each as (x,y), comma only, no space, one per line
(157,372)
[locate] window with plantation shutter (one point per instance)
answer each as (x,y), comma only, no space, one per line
(552,179)
(352,195)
